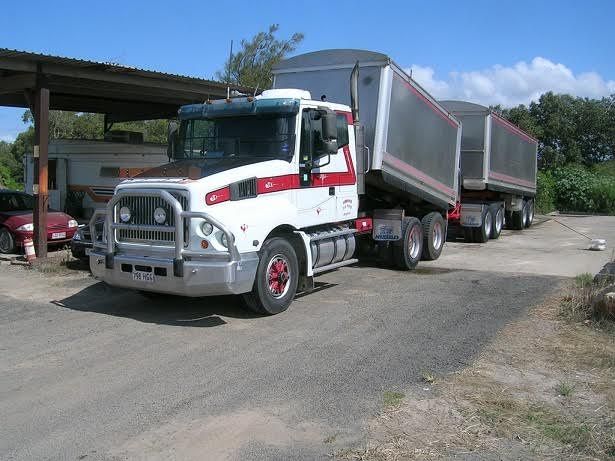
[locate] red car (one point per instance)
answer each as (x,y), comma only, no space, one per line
(16,222)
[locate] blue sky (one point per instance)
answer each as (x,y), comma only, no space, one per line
(486,51)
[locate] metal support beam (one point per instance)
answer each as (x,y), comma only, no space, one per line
(41,147)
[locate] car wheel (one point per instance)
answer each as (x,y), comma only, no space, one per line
(7,241)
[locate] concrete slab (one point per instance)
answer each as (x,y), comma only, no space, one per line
(547,248)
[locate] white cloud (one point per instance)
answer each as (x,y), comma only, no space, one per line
(509,86)
(7,137)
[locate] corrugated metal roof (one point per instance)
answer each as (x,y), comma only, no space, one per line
(106,66)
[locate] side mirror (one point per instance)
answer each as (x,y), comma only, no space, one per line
(329,125)
(172,139)
(329,146)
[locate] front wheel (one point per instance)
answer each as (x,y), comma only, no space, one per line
(7,241)
(407,252)
(276,279)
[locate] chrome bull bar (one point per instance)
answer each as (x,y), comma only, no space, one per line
(110,226)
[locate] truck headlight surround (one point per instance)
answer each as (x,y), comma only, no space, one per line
(125,214)
(160,216)
(207,228)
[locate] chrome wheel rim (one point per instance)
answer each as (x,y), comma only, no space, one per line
(488,223)
(437,235)
(278,276)
(530,216)
(524,216)
(414,244)
(499,220)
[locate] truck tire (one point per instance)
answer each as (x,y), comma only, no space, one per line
(517,219)
(468,234)
(529,219)
(497,218)
(482,233)
(407,252)
(276,278)
(7,241)
(434,235)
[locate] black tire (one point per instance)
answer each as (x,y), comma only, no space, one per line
(497,219)
(482,233)
(407,252)
(272,296)
(468,234)
(517,220)
(7,241)
(434,235)
(529,218)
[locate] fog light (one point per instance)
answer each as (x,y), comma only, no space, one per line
(207,228)
(125,214)
(160,216)
(224,241)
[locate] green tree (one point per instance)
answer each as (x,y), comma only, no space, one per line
(251,65)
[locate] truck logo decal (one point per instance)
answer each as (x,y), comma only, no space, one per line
(244,227)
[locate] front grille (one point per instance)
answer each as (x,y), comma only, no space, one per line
(142,213)
(56,226)
(243,189)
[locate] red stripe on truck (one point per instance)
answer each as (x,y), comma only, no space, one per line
(513,129)
(422,177)
(511,179)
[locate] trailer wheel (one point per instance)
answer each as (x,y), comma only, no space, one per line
(482,233)
(497,215)
(530,213)
(524,215)
(407,252)
(434,232)
(517,219)
(468,234)
(276,278)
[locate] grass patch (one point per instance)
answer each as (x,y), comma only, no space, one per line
(392,399)
(578,304)
(564,389)
(331,439)
(555,427)
(428,377)
(584,280)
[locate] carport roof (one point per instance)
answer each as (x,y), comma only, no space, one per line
(121,92)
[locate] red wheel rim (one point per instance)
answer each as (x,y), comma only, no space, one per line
(278,276)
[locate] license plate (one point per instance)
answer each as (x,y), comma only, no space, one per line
(139,276)
(58,235)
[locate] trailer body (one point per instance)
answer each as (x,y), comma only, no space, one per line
(412,144)
(498,172)
(495,154)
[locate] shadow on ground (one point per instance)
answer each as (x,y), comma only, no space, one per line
(163,309)
(160,309)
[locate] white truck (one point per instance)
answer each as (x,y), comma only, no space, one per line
(266,192)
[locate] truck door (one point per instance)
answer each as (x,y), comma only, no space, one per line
(321,175)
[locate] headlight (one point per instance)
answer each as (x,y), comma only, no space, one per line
(72,223)
(125,214)
(26,227)
(224,240)
(206,228)
(160,216)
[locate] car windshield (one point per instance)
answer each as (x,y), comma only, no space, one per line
(266,137)
(16,202)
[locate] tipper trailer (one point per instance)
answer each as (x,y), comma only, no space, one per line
(498,173)
(266,192)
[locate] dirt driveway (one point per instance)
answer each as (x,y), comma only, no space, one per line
(90,372)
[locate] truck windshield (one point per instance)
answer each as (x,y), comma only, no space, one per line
(269,137)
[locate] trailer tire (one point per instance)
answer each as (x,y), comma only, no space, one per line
(468,234)
(277,276)
(482,233)
(497,218)
(434,235)
(517,219)
(529,218)
(407,252)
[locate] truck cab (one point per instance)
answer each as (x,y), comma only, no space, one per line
(260,194)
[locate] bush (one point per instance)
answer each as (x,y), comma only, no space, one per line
(574,185)
(603,195)
(545,192)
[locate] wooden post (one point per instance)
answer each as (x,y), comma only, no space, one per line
(41,148)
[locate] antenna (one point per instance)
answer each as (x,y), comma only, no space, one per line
(228,72)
